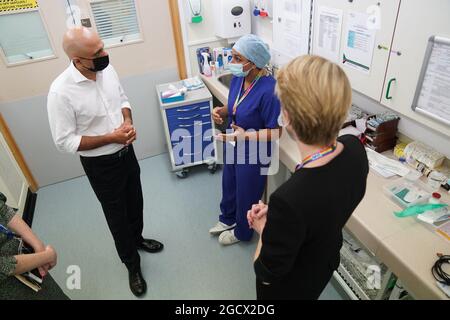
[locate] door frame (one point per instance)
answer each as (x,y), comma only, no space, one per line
(17,154)
(178,38)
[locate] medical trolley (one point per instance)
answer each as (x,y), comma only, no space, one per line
(189,128)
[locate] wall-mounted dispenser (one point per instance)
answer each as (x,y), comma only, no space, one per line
(195,11)
(261,9)
(232,18)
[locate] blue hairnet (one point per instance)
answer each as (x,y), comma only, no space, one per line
(254,49)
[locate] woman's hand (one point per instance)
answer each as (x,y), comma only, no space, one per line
(52,256)
(44,261)
(217,114)
(257,213)
(40,247)
(237,135)
(239,132)
(259,224)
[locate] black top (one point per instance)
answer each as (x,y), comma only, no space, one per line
(303,234)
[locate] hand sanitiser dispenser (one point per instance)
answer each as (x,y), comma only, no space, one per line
(232,18)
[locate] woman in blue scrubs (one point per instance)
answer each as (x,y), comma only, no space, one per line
(252,112)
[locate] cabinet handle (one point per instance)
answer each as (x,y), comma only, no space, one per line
(188,110)
(196,123)
(388,91)
(188,118)
(192,154)
(190,137)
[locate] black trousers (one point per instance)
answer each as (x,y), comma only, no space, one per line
(116,182)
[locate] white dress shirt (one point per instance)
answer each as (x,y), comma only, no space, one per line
(80,107)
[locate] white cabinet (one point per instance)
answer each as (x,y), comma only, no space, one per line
(12,182)
(418,20)
(369,83)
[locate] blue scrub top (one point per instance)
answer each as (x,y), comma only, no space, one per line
(260,109)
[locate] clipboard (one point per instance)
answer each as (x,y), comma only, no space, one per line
(435,78)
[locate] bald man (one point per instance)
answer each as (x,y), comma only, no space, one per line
(89,114)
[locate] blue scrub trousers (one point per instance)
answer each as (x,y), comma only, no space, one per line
(242,186)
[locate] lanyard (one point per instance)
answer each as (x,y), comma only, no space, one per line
(239,99)
(9,234)
(316,156)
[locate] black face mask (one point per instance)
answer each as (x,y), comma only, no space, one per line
(100,63)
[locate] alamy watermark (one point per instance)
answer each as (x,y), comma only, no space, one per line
(73,281)
(195,144)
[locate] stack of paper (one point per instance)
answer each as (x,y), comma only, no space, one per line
(385,166)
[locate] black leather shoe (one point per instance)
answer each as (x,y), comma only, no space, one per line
(137,283)
(150,245)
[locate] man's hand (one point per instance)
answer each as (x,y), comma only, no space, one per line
(132,136)
(123,135)
(127,125)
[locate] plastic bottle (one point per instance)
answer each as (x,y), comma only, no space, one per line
(206,68)
(212,66)
(435,179)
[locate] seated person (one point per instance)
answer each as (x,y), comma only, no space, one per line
(13,230)
(301,228)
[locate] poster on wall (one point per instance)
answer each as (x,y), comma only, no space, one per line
(287,27)
(360,42)
(14,5)
(328,35)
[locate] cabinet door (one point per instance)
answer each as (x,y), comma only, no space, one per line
(367,70)
(418,20)
(12,182)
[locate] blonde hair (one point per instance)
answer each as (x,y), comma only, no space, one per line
(316,95)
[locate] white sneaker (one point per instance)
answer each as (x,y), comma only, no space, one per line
(227,237)
(221,227)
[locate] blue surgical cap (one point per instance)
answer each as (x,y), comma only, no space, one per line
(254,49)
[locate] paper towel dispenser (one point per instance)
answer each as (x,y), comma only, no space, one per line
(232,18)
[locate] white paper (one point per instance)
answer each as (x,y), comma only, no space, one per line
(361,124)
(435,94)
(288,27)
(350,130)
(328,33)
(381,164)
(360,42)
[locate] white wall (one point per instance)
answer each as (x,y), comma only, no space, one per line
(263,27)
(203,35)
(197,35)
(141,66)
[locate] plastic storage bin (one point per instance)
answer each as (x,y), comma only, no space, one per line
(408,193)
